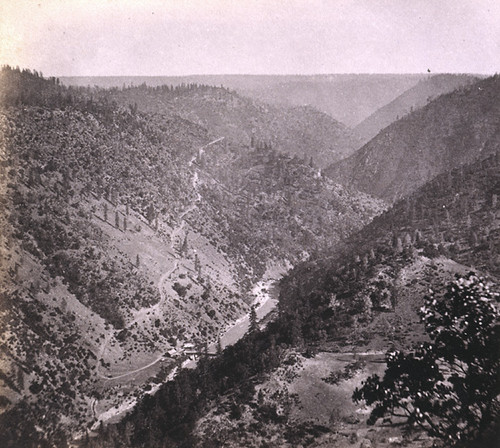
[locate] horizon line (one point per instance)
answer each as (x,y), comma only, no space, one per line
(409,73)
(274,74)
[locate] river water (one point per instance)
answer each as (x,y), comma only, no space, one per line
(266,298)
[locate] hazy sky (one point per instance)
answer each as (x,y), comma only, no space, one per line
(179,37)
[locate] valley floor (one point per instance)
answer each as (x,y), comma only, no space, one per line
(113,409)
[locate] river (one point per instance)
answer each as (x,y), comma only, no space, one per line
(266,298)
(266,293)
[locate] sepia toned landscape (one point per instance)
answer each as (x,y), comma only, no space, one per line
(249,260)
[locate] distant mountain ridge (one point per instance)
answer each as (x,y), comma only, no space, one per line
(301,131)
(418,96)
(348,98)
(452,130)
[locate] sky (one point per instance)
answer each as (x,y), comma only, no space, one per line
(185,37)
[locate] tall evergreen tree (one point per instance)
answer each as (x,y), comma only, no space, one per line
(254,326)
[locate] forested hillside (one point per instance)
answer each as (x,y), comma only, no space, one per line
(300,130)
(454,129)
(454,216)
(348,98)
(338,313)
(418,96)
(128,235)
(138,224)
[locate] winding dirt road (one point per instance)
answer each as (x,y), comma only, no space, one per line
(176,232)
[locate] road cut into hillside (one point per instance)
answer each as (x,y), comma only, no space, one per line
(266,298)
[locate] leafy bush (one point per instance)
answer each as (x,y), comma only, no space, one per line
(179,289)
(450,386)
(336,376)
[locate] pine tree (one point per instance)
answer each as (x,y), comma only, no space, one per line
(417,237)
(296,332)
(20,378)
(197,265)
(397,244)
(184,246)
(254,326)
(150,213)
(407,240)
